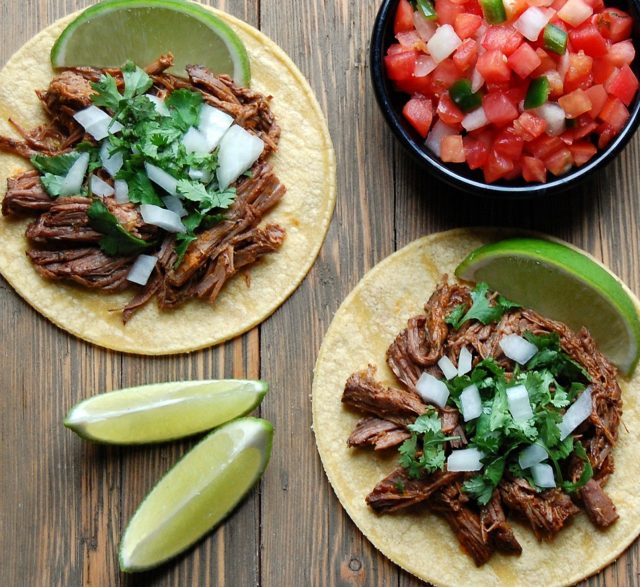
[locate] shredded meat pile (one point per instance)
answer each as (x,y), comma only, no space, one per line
(388,410)
(65,247)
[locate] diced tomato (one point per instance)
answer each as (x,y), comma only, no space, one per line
(575,103)
(503,38)
(496,167)
(493,67)
(404,18)
(499,109)
(605,133)
(397,48)
(598,96)
(452,150)
(529,126)
(546,63)
(400,66)
(544,146)
(448,112)
(412,40)
(557,5)
(466,54)
(587,38)
(614,113)
(466,24)
(447,11)
(473,7)
(533,169)
(556,86)
(559,162)
(623,85)
(443,77)
(602,70)
(614,24)
(419,112)
(621,53)
(582,151)
(597,5)
(517,93)
(579,73)
(476,152)
(513,8)
(524,60)
(414,85)
(508,144)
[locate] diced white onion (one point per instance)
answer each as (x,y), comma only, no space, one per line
(161,217)
(426,28)
(432,390)
(239,150)
(554,116)
(532,21)
(100,187)
(543,475)
(160,177)
(72,183)
(477,81)
(443,43)
(121,191)
(471,403)
(213,124)
(448,368)
(111,163)
(202,175)
(532,455)
(517,348)
(465,459)
(97,122)
(575,12)
(519,405)
(465,361)
(141,269)
(563,64)
(195,142)
(424,66)
(438,131)
(475,119)
(577,413)
(160,106)
(175,205)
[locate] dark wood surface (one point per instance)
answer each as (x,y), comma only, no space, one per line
(64,503)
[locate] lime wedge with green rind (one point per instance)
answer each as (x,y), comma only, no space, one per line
(197,493)
(114,31)
(163,411)
(563,284)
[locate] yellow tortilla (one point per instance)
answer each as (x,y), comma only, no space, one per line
(420,542)
(305,163)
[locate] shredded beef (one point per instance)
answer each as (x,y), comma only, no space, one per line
(495,527)
(377,432)
(598,505)
(25,195)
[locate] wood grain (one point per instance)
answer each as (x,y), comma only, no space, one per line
(64,503)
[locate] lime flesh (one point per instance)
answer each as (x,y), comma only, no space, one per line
(164,411)
(197,493)
(114,31)
(563,284)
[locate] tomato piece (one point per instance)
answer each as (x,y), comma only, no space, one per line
(546,63)
(556,86)
(533,169)
(419,112)
(598,96)
(582,151)
(529,126)
(493,67)
(466,54)
(597,5)
(579,73)
(605,133)
(452,150)
(447,110)
(400,66)
(575,12)
(447,11)
(476,152)
(517,93)
(397,48)
(559,162)
(513,8)
(467,24)
(496,167)
(499,109)
(587,38)
(403,21)
(412,40)
(623,85)
(503,38)
(614,24)
(575,103)
(508,144)
(544,146)
(602,70)
(414,85)
(443,77)
(524,60)
(614,113)
(621,53)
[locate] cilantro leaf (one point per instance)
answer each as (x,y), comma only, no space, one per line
(455,316)
(116,240)
(57,164)
(52,183)
(136,80)
(428,423)
(482,486)
(587,471)
(141,190)
(185,107)
(107,94)
(196,192)
(408,459)
(482,309)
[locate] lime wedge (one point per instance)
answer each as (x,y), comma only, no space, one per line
(163,411)
(114,31)
(197,493)
(563,284)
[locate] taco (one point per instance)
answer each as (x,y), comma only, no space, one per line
(263,245)
(449,525)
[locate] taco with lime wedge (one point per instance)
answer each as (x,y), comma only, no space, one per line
(156,212)
(472,439)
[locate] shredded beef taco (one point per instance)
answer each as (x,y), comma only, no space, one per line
(131,259)
(472,440)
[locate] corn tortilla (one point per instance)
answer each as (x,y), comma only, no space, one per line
(420,542)
(305,163)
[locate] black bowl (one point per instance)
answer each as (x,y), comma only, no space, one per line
(458,174)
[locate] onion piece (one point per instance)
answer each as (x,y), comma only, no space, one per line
(121,189)
(438,131)
(161,217)
(575,12)
(465,361)
(432,390)
(160,177)
(175,205)
(111,163)
(532,455)
(577,413)
(471,402)
(426,28)
(159,105)
(72,183)
(443,43)
(447,367)
(141,269)
(213,124)
(195,142)
(477,81)
(465,459)
(202,175)
(517,348)
(563,65)
(555,117)
(424,65)
(475,119)
(100,187)
(519,405)
(239,150)
(543,475)
(97,123)
(531,22)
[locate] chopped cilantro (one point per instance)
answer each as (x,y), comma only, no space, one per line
(136,80)
(185,107)
(482,486)
(482,309)
(57,164)
(107,94)
(141,190)
(116,240)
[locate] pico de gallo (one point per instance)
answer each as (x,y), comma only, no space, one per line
(516,88)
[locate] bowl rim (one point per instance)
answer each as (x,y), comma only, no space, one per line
(383,92)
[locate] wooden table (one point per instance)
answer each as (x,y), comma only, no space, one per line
(65,502)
